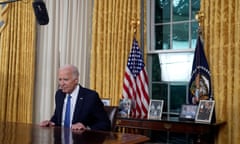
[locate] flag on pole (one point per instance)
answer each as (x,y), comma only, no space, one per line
(200,82)
(135,83)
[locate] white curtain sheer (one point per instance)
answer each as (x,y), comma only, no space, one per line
(65,40)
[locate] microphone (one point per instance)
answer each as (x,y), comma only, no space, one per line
(40,12)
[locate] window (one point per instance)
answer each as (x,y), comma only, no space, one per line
(173,34)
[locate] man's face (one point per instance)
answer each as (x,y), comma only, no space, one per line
(67,81)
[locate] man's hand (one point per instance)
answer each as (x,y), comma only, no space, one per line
(78,127)
(47,123)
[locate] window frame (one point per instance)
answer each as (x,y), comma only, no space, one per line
(151,46)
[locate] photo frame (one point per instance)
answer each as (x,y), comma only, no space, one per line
(188,112)
(205,110)
(106,101)
(155,109)
(125,106)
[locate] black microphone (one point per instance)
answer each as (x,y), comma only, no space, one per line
(40,12)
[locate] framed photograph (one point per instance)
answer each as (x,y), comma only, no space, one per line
(205,110)
(125,106)
(155,109)
(188,112)
(106,101)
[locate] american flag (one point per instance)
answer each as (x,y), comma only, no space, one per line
(135,84)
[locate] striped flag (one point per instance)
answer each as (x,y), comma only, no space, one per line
(135,85)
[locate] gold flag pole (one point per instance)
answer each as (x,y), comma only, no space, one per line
(200,17)
(134,25)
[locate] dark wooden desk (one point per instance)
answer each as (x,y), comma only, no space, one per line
(13,133)
(136,125)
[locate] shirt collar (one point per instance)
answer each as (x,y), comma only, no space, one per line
(75,91)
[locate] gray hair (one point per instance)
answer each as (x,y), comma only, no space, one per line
(73,68)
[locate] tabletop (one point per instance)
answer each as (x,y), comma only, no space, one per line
(12,133)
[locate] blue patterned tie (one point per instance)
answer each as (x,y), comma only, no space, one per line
(68,112)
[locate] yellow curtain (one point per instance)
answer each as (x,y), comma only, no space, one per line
(112,35)
(17,61)
(221,29)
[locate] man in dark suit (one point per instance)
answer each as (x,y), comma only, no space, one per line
(87,110)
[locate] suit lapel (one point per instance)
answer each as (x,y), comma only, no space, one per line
(78,107)
(61,100)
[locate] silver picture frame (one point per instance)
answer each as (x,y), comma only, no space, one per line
(155,109)
(205,111)
(106,101)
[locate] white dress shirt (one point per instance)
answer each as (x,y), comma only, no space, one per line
(74,95)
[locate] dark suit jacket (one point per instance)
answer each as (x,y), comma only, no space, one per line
(89,110)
